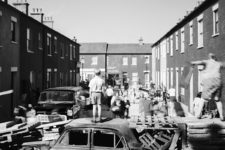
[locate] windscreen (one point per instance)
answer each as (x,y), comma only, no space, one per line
(56,96)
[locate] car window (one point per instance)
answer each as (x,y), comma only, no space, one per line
(110,139)
(75,137)
(56,96)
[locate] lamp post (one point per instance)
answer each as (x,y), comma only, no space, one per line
(82,66)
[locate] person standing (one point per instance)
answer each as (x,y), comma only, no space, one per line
(96,90)
(109,94)
(211,83)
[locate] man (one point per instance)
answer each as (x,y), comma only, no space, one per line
(109,94)
(96,90)
(211,82)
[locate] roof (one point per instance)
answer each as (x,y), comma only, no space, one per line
(7,5)
(103,48)
(93,48)
(130,48)
(117,124)
(197,10)
(70,88)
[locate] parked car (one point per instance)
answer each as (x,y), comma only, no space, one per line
(83,134)
(62,100)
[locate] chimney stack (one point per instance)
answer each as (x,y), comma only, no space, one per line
(48,21)
(141,41)
(22,5)
(74,39)
(37,14)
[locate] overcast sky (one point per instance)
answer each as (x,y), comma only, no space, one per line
(114,21)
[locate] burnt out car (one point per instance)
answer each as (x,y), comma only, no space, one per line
(83,134)
(62,100)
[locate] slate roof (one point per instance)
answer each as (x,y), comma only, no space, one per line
(101,48)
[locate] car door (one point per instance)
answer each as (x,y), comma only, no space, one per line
(76,139)
(103,139)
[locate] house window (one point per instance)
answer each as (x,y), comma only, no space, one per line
(94,60)
(176,38)
(71,52)
(55,77)
(171,77)
(32,78)
(215,19)
(134,61)
(55,45)
(40,41)
(171,45)
(0,28)
(71,77)
(49,45)
(49,78)
(13,29)
(200,68)
(146,59)
(167,78)
(135,77)
(74,52)
(62,50)
(61,79)
(191,33)
(146,74)
(29,40)
(168,45)
(125,61)
(200,31)
(182,40)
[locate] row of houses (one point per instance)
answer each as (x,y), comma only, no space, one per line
(200,32)
(33,57)
(124,64)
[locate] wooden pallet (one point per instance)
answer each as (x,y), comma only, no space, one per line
(153,122)
(206,136)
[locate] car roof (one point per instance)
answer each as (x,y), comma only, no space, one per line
(65,88)
(120,125)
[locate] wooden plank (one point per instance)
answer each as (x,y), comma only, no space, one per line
(205,131)
(175,140)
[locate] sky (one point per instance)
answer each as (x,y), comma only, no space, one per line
(114,21)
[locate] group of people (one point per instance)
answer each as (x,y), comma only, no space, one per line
(115,100)
(211,83)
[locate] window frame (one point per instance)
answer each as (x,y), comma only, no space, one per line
(29,40)
(13,29)
(215,10)
(49,44)
(125,61)
(0,30)
(200,32)
(182,37)
(176,39)
(191,32)
(94,60)
(171,45)
(134,61)
(40,43)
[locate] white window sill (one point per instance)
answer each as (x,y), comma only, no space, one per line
(190,44)
(182,52)
(199,47)
(215,34)
(29,51)
(14,42)
(40,49)
(49,55)
(62,57)
(56,52)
